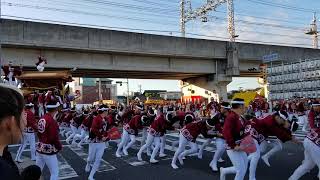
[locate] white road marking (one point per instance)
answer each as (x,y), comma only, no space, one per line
(104,166)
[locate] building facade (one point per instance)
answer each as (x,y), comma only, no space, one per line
(89,90)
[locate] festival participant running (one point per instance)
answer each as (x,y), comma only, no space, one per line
(188,135)
(98,136)
(28,134)
(259,129)
(171,118)
(49,144)
(311,145)
(85,127)
(75,124)
(156,131)
(233,130)
(130,130)
(220,142)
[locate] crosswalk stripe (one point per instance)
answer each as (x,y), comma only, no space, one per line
(104,165)
(65,169)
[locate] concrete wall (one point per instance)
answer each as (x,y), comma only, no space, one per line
(107,61)
(42,36)
(68,37)
(255,52)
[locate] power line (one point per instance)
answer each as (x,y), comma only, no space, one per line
(77,5)
(292,28)
(131,6)
(261,17)
(87,13)
(152,3)
(246,22)
(283,6)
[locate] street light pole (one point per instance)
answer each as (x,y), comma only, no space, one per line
(127,82)
(100,94)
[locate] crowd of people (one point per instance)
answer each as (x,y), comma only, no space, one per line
(242,133)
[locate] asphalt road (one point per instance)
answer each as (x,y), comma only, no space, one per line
(72,163)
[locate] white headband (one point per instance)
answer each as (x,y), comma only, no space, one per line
(103,109)
(187,116)
(209,124)
(151,114)
(315,104)
(282,116)
(53,106)
(226,107)
(237,102)
(30,104)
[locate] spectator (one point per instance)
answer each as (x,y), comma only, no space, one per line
(32,172)
(12,122)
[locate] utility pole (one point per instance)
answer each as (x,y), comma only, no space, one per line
(314,31)
(231,28)
(182,18)
(140,89)
(201,12)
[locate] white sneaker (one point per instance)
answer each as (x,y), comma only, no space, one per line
(200,155)
(265,160)
(125,152)
(214,168)
(180,160)
(68,141)
(87,168)
(222,174)
(19,160)
(118,155)
(174,166)
(153,161)
(139,157)
(162,155)
(74,144)
(220,160)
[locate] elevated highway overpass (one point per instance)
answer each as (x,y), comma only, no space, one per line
(116,54)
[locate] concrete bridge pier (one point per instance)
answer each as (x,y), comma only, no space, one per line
(217,84)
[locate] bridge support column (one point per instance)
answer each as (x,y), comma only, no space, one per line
(218,85)
(233,59)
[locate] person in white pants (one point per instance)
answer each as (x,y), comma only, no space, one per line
(28,134)
(311,158)
(130,131)
(188,136)
(233,131)
(276,147)
(49,144)
(98,136)
(220,142)
(156,132)
(220,149)
(181,153)
(311,145)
